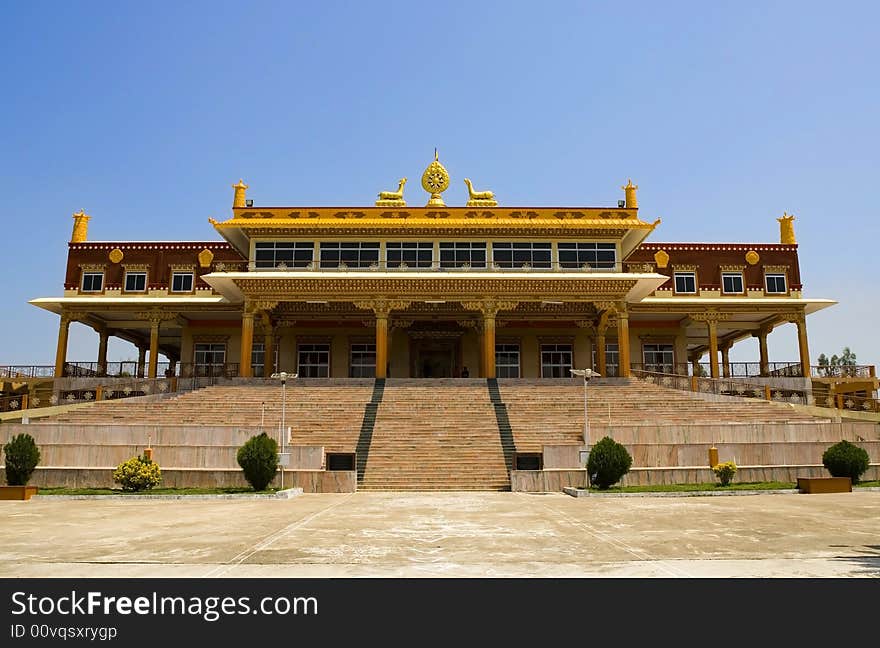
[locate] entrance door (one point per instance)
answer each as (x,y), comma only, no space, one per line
(435,358)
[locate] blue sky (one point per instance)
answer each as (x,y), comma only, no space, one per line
(144,114)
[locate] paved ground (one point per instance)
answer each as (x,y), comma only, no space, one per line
(447,534)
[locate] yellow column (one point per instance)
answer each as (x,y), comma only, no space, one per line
(268,346)
(623,342)
(695,365)
(154,347)
(801,321)
(725,359)
(142,360)
(481,370)
(602,324)
(489,342)
(61,352)
(762,334)
(104,336)
(247,343)
(381,343)
(713,347)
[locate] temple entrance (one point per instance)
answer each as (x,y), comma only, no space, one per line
(435,358)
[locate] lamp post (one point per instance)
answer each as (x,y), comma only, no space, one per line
(586,374)
(283,376)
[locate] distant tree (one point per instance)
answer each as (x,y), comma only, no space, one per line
(841,365)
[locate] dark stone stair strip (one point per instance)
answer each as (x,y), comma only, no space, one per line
(367,426)
(505,432)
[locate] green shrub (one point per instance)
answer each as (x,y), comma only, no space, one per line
(137,474)
(608,462)
(22,456)
(846,460)
(724,472)
(258,458)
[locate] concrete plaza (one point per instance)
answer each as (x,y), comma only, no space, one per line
(461,534)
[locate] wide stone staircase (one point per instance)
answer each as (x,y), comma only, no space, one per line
(437,434)
(547,412)
(441,434)
(326,412)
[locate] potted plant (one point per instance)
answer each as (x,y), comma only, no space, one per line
(22,456)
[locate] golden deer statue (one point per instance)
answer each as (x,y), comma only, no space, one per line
(479,198)
(393,195)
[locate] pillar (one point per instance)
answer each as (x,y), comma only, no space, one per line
(695,365)
(381,344)
(103,338)
(713,347)
(623,342)
(489,343)
(762,350)
(600,353)
(725,359)
(268,345)
(269,356)
(154,348)
(801,322)
(61,352)
(142,360)
(247,343)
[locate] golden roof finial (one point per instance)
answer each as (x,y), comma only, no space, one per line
(786,229)
(629,191)
(435,180)
(238,198)
(80,227)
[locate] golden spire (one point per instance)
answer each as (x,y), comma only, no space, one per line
(630,193)
(238,198)
(80,227)
(435,180)
(786,229)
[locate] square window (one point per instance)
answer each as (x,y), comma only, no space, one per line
(732,282)
(93,281)
(686,282)
(135,281)
(776,284)
(181,282)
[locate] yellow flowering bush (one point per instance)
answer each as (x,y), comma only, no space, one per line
(137,474)
(724,472)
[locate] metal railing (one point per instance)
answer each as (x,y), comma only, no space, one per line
(723,387)
(27,371)
(127,369)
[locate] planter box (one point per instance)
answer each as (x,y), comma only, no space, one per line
(17,492)
(824,484)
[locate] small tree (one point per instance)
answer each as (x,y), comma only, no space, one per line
(258,458)
(845,459)
(22,457)
(137,474)
(608,462)
(725,472)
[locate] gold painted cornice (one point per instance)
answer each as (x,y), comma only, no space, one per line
(596,221)
(358,288)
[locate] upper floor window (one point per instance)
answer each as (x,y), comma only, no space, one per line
(135,282)
(284,254)
(410,254)
(457,254)
(686,282)
(593,255)
(92,281)
(515,255)
(776,283)
(353,254)
(181,281)
(732,282)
